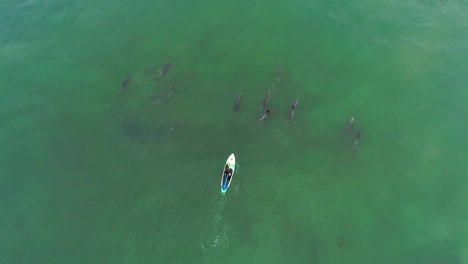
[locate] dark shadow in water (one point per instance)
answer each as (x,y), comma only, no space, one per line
(138,132)
(434,253)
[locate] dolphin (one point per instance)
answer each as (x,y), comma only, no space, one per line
(124,84)
(357,138)
(238,102)
(294,106)
(166,68)
(267,114)
(266,100)
(349,128)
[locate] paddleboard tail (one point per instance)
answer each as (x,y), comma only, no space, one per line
(225,181)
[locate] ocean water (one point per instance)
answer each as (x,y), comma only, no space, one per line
(90,177)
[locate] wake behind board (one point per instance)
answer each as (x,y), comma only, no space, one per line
(226,181)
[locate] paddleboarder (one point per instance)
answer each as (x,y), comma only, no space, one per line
(227,172)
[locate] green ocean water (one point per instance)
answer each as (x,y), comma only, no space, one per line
(90,177)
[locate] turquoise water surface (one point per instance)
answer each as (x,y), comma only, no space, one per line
(90,177)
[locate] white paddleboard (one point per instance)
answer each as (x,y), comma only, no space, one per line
(224,181)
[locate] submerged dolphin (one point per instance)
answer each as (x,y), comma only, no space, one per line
(172,90)
(161,97)
(124,84)
(356,141)
(166,68)
(294,106)
(266,100)
(349,128)
(238,102)
(174,125)
(156,100)
(279,73)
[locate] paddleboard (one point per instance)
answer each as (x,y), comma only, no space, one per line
(225,182)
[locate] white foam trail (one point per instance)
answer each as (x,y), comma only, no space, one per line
(215,239)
